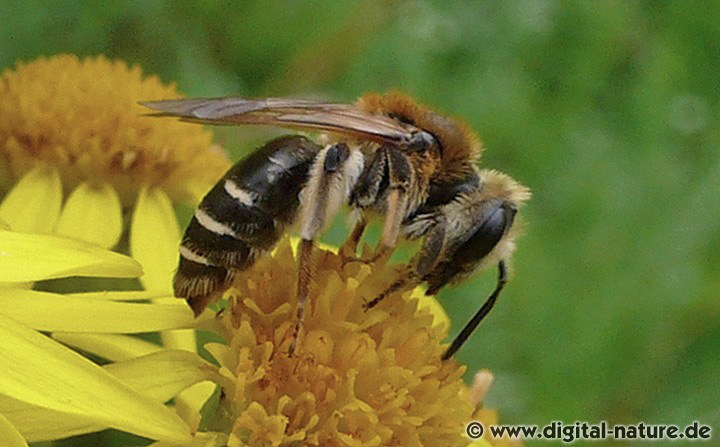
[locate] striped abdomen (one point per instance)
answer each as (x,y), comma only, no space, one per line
(243,216)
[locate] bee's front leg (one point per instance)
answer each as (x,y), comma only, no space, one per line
(331,179)
(424,262)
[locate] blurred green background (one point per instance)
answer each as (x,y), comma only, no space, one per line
(607,110)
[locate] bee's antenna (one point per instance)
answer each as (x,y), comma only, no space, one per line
(480,315)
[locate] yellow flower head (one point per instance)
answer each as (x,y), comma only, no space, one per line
(358,378)
(78,153)
(82,118)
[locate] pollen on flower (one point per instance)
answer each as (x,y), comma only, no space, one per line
(83,117)
(357,378)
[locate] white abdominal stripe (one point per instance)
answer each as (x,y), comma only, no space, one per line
(243,196)
(209,242)
(213,226)
(190,255)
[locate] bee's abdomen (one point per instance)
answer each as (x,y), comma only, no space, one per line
(241,217)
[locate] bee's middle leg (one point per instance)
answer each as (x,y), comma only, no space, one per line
(424,262)
(348,249)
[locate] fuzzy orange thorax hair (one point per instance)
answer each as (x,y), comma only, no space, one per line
(461,147)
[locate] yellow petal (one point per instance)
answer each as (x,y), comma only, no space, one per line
(431,305)
(154,243)
(154,239)
(33,257)
(111,347)
(40,424)
(9,436)
(17,285)
(41,372)
(92,214)
(33,204)
(170,373)
(164,374)
(189,403)
(158,376)
(180,339)
(295,243)
(132,295)
(57,313)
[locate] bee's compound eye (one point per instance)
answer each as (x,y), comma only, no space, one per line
(421,141)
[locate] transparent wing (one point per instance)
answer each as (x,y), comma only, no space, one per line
(289,113)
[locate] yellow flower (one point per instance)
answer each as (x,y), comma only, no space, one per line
(72,129)
(82,117)
(77,156)
(345,383)
(358,377)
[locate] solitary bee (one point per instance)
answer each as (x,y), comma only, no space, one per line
(384,154)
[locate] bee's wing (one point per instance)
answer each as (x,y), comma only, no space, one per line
(291,113)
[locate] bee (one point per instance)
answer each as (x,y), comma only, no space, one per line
(385,154)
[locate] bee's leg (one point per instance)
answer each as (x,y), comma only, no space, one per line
(331,179)
(303,287)
(468,232)
(479,225)
(371,184)
(400,178)
(349,247)
(480,314)
(424,262)
(404,281)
